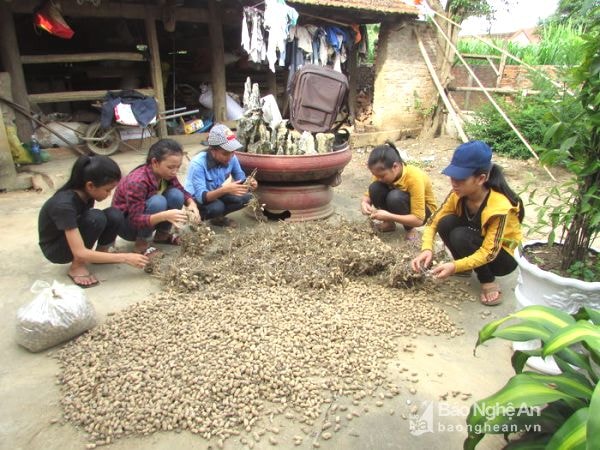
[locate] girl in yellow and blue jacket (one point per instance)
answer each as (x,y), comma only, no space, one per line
(479,221)
(399,193)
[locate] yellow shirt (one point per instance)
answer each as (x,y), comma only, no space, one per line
(500,229)
(417,184)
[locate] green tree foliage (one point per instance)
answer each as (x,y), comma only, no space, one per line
(574,141)
(577,12)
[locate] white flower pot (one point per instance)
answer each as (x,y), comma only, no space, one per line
(540,287)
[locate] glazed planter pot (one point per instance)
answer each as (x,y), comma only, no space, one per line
(299,184)
(540,287)
(295,168)
(304,201)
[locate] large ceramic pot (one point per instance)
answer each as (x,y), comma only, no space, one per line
(540,287)
(303,201)
(295,168)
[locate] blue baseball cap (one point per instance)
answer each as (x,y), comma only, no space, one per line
(467,158)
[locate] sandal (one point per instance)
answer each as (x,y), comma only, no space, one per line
(485,290)
(171,239)
(78,280)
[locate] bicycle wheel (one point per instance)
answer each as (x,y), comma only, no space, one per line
(109,143)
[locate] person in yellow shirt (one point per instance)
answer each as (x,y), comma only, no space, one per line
(479,221)
(399,193)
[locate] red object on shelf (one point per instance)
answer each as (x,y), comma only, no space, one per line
(49,19)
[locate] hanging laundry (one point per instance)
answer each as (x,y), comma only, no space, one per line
(257,50)
(304,38)
(245,33)
(279,18)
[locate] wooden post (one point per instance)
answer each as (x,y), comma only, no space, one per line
(352,82)
(11,59)
(215,31)
(8,173)
(468,93)
(440,89)
(501,67)
(155,71)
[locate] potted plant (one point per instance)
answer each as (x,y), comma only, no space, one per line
(565,271)
(534,410)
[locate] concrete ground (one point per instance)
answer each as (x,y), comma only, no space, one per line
(29,395)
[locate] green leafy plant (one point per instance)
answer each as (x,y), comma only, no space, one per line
(534,410)
(573,141)
(529,114)
(559,45)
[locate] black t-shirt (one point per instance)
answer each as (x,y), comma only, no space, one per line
(473,221)
(60,213)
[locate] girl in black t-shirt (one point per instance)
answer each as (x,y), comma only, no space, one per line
(69,225)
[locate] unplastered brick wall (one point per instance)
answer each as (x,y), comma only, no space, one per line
(518,77)
(403,89)
(513,76)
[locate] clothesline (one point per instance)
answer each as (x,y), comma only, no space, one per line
(326,20)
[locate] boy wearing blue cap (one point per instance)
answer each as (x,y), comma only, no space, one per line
(479,221)
(207,174)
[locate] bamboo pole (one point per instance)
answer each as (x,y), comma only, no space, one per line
(501,50)
(491,99)
(82,57)
(440,89)
(495,90)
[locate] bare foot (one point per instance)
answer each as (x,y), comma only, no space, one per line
(412,235)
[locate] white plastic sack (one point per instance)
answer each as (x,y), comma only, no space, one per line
(58,313)
(271,113)
(234,110)
(124,115)
(71,131)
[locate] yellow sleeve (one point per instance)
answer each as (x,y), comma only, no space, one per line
(491,246)
(447,207)
(416,190)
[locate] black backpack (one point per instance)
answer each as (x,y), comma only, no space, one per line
(317,95)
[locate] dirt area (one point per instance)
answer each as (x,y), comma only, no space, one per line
(417,344)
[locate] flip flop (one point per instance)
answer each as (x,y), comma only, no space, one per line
(487,290)
(170,240)
(75,278)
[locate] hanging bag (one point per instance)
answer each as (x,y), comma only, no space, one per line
(317,95)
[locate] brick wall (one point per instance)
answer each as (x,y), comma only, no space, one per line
(516,77)
(403,88)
